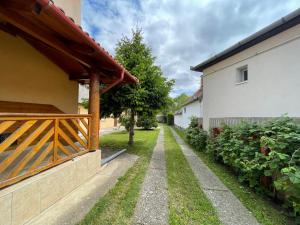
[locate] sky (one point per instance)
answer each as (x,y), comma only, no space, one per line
(181,33)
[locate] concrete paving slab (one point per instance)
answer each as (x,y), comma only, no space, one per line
(72,208)
(106,131)
(230,210)
(152,206)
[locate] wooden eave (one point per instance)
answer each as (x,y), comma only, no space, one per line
(51,32)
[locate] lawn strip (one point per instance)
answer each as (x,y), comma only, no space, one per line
(187,202)
(263,209)
(117,206)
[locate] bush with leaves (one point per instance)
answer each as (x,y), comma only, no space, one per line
(170,119)
(196,136)
(258,151)
(146,121)
(125,121)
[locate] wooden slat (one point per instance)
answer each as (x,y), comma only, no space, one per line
(89,134)
(63,149)
(35,116)
(81,123)
(32,153)
(18,133)
(5,125)
(80,128)
(75,135)
(42,156)
(68,140)
(24,145)
(55,156)
(84,123)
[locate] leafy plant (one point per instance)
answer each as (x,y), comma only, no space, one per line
(146,121)
(125,121)
(170,119)
(196,136)
(265,156)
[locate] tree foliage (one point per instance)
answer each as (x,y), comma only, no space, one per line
(179,101)
(146,97)
(147,121)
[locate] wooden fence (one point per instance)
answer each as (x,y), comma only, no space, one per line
(31,143)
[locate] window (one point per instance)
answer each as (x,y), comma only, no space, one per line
(184,109)
(242,75)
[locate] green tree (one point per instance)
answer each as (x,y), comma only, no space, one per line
(149,95)
(179,101)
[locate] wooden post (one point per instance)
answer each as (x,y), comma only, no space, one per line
(94,109)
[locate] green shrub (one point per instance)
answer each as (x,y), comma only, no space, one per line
(170,119)
(146,121)
(196,136)
(125,121)
(240,147)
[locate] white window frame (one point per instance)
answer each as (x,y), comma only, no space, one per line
(240,78)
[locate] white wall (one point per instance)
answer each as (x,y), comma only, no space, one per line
(192,110)
(273,81)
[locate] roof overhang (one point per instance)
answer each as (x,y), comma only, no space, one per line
(275,28)
(197,96)
(50,31)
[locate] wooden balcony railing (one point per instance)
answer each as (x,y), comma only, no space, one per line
(31,143)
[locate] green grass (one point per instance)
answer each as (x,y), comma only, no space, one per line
(264,210)
(117,206)
(187,203)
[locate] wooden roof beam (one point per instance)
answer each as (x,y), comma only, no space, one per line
(47,38)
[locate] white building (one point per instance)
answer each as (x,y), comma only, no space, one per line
(256,78)
(192,108)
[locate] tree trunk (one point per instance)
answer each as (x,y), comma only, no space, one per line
(131,128)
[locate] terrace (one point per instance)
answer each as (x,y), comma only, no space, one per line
(36,137)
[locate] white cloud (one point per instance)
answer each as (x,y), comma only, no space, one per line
(181,33)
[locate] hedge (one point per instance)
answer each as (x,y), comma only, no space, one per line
(170,119)
(264,156)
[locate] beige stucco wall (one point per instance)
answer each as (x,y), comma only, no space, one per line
(104,123)
(107,123)
(82,110)
(28,76)
(273,81)
(72,8)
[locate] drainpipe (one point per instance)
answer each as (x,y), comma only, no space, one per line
(114,83)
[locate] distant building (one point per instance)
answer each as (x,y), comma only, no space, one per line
(106,123)
(255,79)
(191,108)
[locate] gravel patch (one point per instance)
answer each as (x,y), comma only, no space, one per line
(230,210)
(152,206)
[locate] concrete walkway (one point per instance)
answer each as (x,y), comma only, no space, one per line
(106,131)
(72,208)
(152,206)
(230,210)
